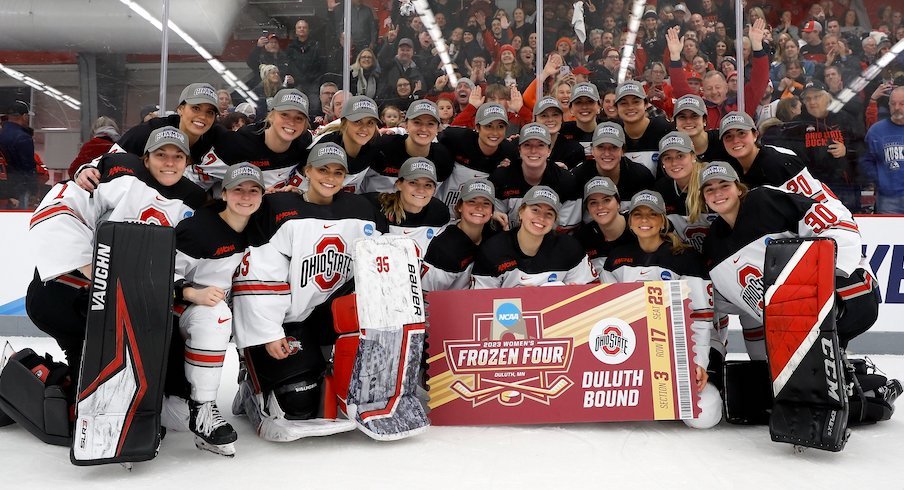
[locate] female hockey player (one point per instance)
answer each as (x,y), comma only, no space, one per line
(412,210)
(533,168)
(608,228)
(195,117)
(209,247)
(149,189)
(565,152)
(422,126)
(533,254)
(300,258)
(276,145)
(690,118)
(450,256)
(609,160)
(660,254)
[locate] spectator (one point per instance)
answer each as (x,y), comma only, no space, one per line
(233,121)
(17,150)
(870,50)
(325,96)
(881,162)
(266,52)
(391,116)
(404,94)
(363,23)
(658,92)
(148,112)
(853,107)
(837,55)
(813,49)
(401,65)
(850,24)
(463,93)
(792,84)
(224,101)
(508,71)
(788,109)
(604,73)
(271,82)
(304,56)
(521,27)
(104,132)
(365,74)
(786,26)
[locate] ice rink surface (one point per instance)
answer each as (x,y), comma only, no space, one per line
(650,455)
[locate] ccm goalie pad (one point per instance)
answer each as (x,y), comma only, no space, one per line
(126,342)
(811,404)
(33,394)
(382,395)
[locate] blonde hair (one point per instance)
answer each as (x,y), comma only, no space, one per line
(675,242)
(693,189)
(391,205)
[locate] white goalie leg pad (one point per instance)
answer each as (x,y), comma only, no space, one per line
(271,424)
(382,396)
(710,404)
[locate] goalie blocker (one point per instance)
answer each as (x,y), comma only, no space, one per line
(128,335)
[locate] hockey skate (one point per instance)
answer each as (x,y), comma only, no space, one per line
(212,432)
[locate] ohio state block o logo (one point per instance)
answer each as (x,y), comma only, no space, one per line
(611,340)
(327,280)
(154,216)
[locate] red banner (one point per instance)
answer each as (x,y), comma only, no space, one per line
(539,355)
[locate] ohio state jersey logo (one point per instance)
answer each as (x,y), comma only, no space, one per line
(328,265)
(751,280)
(153,216)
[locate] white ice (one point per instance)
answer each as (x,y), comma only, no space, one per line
(660,455)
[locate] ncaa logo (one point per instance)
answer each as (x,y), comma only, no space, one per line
(508,315)
(768,240)
(611,341)
(368,229)
(666,276)
(552,277)
(430,233)
(188,214)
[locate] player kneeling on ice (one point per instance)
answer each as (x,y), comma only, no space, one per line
(659,254)
(736,250)
(300,258)
(209,248)
(533,254)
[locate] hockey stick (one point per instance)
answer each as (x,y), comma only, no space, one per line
(469,394)
(561,384)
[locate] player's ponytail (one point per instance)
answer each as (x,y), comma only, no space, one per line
(391,206)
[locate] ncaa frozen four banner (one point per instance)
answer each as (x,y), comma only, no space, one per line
(595,353)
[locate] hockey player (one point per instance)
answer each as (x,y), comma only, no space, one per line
(609,160)
(533,254)
(355,134)
(584,105)
(412,210)
(195,117)
(209,247)
(450,256)
(300,257)
(565,152)
(608,228)
(422,126)
(689,116)
(476,153)
(660,254)
(276,145)
(533,168)
(735,254)
(642,133)
(149,189)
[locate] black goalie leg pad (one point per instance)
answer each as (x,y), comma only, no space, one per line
(811,404)
(128,335)
(33,393)
(748,392)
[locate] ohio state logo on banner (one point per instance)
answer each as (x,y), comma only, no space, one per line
(328,265)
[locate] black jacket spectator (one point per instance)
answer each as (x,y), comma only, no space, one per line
(364,24)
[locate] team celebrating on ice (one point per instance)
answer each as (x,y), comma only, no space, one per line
(266,219)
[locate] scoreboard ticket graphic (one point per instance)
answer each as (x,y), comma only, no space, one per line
(540,355)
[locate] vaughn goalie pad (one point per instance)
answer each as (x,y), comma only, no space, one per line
(128,335)
(382,395)
(811,406)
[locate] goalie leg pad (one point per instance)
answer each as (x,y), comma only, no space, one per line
(811,404)
(748,392)
(31,394)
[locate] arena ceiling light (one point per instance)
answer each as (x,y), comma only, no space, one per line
(41,87)
(227,75)
(439,42)
(868,74)
(628,49)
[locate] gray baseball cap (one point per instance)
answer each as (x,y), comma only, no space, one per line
(421,108)
(650,199)
(489,112)
(735,120)
(240,173)
(600,185)
(199,93)
(541,194)
(546,103)
(534,131)
(718,171)
(629,87)
(360,107)
(416,167)
(676,140)
(693,103)
(289,99)
(478,188)
(167,135)
(467,81)
(609,132)
(326,153)
(584,89)
(406,41)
